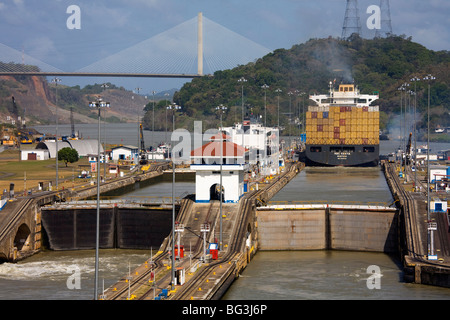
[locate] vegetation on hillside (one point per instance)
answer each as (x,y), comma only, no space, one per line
(378,65)
(78,98)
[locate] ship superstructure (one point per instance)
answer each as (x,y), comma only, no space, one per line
(262,142)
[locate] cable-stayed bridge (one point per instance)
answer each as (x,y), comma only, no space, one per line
(191,49)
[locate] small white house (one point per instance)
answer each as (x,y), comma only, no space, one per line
(437,173)
(125,153)
(34,154)
(208,170)
(438,205)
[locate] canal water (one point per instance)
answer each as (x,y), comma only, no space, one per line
(329,274)
(283,275)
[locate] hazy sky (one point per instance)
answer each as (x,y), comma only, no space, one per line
(39,28)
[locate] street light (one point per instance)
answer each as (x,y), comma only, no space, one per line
(153,120)
(173,107)
(99,103)
(55,81)
(278,91)
(302,95)
(402,88)
(138,89)
(242,80)
(415,80)
(222,110)
(428,79)
(290,93)
(165,134)
(297,94)
(104,86)
(413,93)
(265,87)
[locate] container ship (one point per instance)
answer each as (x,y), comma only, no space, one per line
(342,129)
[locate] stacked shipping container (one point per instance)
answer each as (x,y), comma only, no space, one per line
(339,125)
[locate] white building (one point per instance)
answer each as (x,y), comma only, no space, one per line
(92,158)
(438,205)
(34,154)
(206,162)
(262,142)
(437,173)
(125,153)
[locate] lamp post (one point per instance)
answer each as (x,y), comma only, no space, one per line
(402,88)
(221,110)
(104,86)
(430,239)
(297,94)
(415,79)
(242,80)
(99,103)
(139,128)
(55,81)
(302,94)
(173,107)
(410,129)
(405,85)
(413,93)
(165,134)
(153,121)
(278,91)
(290,93)
(265,87)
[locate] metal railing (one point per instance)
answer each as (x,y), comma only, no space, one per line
(129,200)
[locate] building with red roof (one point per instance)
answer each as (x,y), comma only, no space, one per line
(219,159)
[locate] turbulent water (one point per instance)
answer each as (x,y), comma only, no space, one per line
(50,275)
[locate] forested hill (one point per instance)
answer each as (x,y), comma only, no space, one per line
(378,65)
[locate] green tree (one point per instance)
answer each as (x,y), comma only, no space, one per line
(68,155)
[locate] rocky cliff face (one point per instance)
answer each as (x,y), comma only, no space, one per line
(32,97)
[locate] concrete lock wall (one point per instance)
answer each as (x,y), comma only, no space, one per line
(125,228)
(363,230)
(319,229)
(291,230)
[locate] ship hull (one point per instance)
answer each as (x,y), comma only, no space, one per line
(342,155)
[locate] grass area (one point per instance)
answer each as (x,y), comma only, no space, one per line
(12,170)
